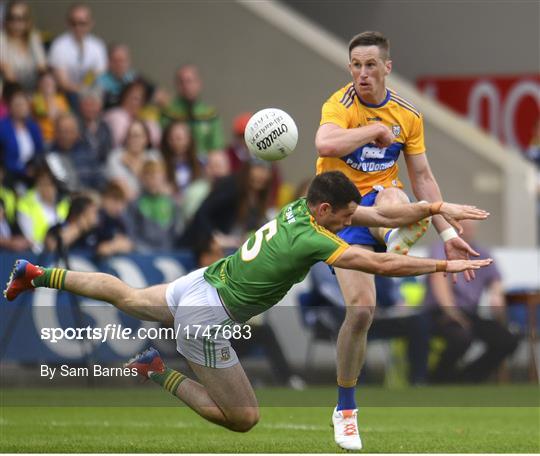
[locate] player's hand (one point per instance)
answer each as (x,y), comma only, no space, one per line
(454,266)
(458,249)
(454,212)
(384,137)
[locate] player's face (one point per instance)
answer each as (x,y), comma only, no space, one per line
(335,220)
(369,70)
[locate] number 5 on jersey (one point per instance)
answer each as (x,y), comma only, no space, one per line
(250,253)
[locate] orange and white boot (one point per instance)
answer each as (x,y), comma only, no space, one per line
(346,432)
(401,239)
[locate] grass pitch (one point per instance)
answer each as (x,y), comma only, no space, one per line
(125,426)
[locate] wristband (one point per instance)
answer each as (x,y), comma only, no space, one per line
(441,266)
(435,208)
(449,233)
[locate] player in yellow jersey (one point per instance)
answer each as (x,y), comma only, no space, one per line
(364,128)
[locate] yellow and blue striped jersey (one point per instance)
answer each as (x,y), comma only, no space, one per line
(370,166)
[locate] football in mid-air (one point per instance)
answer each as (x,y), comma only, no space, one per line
(271,134)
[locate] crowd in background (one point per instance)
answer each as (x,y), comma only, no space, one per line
(97,157)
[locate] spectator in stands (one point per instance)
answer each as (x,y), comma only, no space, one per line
(11,237)
(40,208)
(454,313)
(124,165)
(237,151)
(182,164)
(187,107)
(77,231)
(238,154)
(8,196)
(20,136)
(133,101)
(22,54)
(121,73)
(4,111)
(95,133)
(118,75)
(48,104)
(208,251)
(533,154)
(77,56)
(112,232)
(81,169)
(217,166)
(236,206)
(533,151)
(154,214)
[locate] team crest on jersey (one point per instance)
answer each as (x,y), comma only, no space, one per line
(396,130)
(225,354)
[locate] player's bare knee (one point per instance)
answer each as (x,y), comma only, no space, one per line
(244,419)
(391,195)
(360,317)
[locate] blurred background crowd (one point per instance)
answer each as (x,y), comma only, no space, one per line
(97,158)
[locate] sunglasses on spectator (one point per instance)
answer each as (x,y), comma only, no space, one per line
(76,23)
(17,18)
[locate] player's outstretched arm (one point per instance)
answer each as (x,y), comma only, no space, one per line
(425,187)
(395,215)
(390,264)
(333,141)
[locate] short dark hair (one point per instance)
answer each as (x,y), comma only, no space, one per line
(78,206)
(371,39)
(334,188)
(114,191)
(12,90)
(136,83)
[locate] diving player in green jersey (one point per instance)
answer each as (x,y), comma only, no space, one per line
(208,306)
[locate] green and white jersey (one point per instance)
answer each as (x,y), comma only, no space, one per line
(272,260)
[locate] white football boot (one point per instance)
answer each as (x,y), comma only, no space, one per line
(346,429)
(401,239)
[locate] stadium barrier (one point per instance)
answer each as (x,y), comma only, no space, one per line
(46,308)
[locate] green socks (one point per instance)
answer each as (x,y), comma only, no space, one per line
(169,379)
(52,278)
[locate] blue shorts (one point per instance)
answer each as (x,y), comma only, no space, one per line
(360,234)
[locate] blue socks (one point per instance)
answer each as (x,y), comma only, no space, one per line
(346,398)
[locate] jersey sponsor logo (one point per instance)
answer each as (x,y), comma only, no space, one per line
(370,167)
(370,158)
(372,152)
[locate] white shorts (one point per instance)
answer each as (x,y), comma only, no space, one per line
(199,320)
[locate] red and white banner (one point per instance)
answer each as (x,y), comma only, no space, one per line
(506,106)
